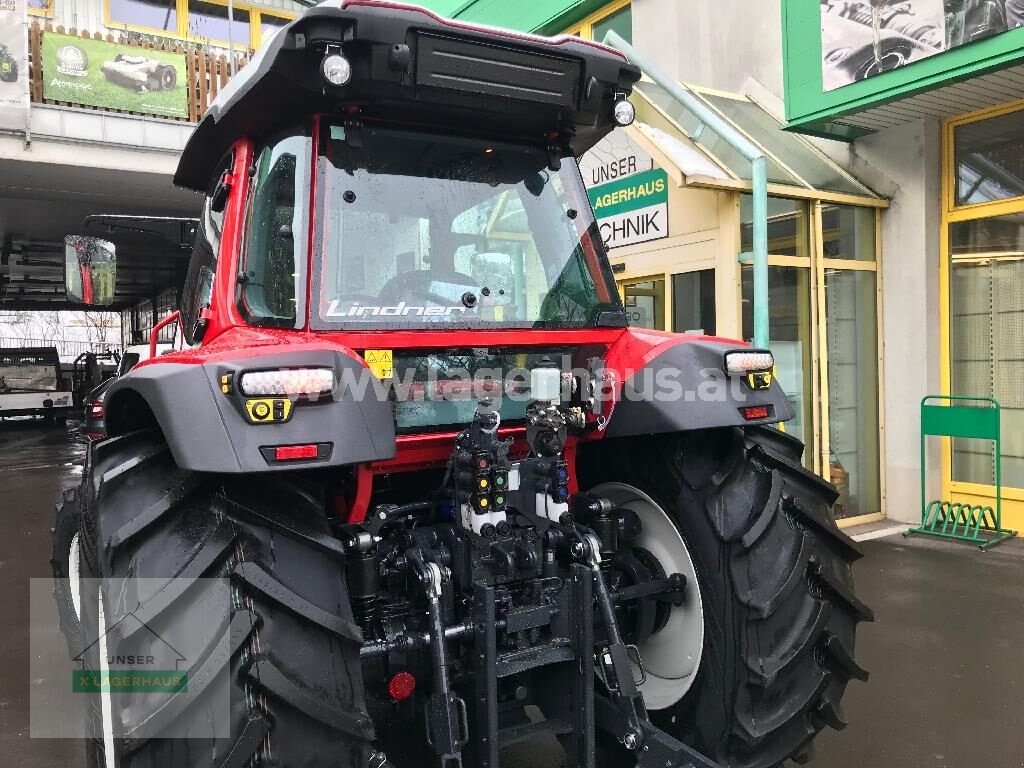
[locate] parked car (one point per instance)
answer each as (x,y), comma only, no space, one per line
(94,426)
(32,384)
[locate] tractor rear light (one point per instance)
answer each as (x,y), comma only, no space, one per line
(740,363)
(756,412)
(293,381)
(335,68)
(293,452)
(624,113)
(401,686)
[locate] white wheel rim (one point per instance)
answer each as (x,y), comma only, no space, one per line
(672,655)
(106,705)
(74,577)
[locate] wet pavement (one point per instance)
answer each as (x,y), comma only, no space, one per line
(36,463)
(947,681)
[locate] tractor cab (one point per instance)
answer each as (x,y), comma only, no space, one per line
(413,174)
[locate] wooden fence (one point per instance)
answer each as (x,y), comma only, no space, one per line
(206,72)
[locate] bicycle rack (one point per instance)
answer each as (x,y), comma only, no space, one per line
(973,523)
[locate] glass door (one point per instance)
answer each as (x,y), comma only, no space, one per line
(644,299)
(848,291)
(823,331)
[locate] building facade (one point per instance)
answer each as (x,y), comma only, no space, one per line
(898,278)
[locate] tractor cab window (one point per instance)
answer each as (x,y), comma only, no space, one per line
(272,280)
(426,231)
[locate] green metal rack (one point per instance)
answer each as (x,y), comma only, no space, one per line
(974,524)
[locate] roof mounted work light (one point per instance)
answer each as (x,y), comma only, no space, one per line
(335,68)
(623,112)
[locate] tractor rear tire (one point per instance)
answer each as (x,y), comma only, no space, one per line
(776,587)
(291,660)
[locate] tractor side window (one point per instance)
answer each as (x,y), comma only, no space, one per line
(272,289)
(198,289)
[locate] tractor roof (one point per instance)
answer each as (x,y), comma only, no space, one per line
(414,67)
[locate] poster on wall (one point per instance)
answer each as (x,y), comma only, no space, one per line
(100,74)
(13,65)
(863,38)
(628,193)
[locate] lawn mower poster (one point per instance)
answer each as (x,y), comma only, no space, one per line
(114,76)
(13,65)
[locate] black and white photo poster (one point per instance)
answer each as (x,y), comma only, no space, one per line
(13,65)
(863,38)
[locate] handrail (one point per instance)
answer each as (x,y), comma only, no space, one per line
(154,335)
(743,145)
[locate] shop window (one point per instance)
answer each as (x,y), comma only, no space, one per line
(788,230)
(693,302)
(270,25)
(849,232)
(789,338)
(41,7)
(645,304)
(989,158)
(620,21)
(209,21)
(852,346)
(987,339)
(615,16)
(152,14)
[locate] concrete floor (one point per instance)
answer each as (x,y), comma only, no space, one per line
(947,679)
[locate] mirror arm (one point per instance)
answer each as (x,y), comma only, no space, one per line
(174,317)
(202,323)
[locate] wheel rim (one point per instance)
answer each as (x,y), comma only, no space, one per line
(74,576)
(671,655)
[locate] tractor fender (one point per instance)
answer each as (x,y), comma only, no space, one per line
(681,384)
(210,430)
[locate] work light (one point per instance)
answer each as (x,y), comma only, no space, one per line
(741,362)
(292,381)
(624,112)
(335,68)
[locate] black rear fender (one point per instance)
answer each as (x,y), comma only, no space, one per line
(209,430)
(686,387)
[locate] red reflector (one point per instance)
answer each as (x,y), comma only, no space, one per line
(291,452)
(401,686)
(756,412)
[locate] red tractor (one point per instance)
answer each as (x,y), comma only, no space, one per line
(457,502)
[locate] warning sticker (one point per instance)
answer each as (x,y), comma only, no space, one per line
(380,362)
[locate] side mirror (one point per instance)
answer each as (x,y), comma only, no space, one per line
(90,270)
(204,296)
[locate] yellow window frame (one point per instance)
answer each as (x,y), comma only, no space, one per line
(974,210)
(45,13)
(585,28)
(952,214)
(180,32)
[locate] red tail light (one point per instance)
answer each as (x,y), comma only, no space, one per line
(96,410)
(756,412)
(293,452)
(401,686)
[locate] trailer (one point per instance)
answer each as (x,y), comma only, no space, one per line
(31,384)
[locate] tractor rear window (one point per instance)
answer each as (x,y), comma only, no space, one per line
(421,231)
